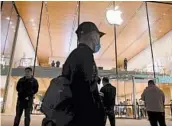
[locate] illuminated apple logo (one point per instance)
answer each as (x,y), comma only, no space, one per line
(114,16)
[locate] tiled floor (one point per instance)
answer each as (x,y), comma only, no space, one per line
(7,120)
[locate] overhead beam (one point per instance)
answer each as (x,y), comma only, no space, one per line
(159,2)
(14,5)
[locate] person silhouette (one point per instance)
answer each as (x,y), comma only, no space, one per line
(125,63)
(57,64)
(53,64)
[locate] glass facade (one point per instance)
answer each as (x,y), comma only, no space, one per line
(9,20)
(156,50)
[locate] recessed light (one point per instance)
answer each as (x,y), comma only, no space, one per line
(34,28)
(160,31)
(117,7)
(164,13)
(45,2)
(33,24)
(32,20)
(13,27)
(8,18)
(14,30)
(11,22)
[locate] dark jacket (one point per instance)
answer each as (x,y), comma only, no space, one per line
(109,92)
(27,87)
(81,70)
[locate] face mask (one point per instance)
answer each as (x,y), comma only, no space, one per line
(97,47)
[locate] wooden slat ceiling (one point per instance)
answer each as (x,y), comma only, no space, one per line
(132,34)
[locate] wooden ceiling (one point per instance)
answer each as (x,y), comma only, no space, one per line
(58,37)
(8,13)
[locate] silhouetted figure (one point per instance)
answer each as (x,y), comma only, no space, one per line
(125,63)
(57,64)
(53,64)
(109,92)
(27,87)
(98,79)
(154,100)
(81,69)
(137,109)
(142,109)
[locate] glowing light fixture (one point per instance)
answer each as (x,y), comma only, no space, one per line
(33,24)
(8,18)
(113,16)
(117,7)
(11,22)
(32,20)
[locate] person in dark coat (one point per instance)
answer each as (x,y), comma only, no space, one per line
(109,92)
(27,87)
(53,64)
(81,70)
(57,64)
(171,107)
(125,63)
(98,80)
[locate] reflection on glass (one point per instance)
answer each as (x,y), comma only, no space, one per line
(9,20)
(8,28)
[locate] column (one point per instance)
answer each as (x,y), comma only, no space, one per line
(170,85)
(9,108)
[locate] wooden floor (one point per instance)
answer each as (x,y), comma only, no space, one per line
(7,120)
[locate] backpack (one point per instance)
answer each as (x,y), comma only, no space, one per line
(57,102)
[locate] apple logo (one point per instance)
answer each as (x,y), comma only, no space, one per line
(113,16)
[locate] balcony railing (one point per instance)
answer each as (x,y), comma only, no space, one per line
(124,111)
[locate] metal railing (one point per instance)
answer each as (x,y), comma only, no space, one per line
(141,111)
(125,111)
(23,62)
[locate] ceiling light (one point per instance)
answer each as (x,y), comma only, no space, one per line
(45,2)
(117,7)
(114,16)
(34,28)
(32,20)
(11,22)
(12,27)
(160,31)
(8,18)
(164,13)
(33,24)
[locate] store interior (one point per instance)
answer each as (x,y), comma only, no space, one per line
(136,39)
